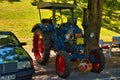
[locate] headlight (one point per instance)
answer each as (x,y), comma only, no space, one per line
(24,64)
(67,36)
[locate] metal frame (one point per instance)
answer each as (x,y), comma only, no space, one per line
(54,7)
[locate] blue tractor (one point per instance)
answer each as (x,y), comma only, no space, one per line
(65,38)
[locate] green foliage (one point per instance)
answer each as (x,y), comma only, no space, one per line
(35,2)
(111,16)
(18,17)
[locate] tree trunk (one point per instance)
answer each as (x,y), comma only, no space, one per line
(94,24)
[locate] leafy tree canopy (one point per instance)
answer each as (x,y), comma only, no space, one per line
(111,12)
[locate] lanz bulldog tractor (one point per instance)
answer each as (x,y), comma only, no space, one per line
(65,38)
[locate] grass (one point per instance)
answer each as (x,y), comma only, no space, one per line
(19,17)
(106,35)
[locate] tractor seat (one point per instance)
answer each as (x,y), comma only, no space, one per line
(46,21)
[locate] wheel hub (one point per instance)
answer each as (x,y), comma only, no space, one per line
(60,63)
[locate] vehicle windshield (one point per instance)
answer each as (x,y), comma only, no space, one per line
(8,40)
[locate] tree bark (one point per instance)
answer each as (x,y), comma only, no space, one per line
(92,32)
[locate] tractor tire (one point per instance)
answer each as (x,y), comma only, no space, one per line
(63,66)
(98,65)
(41,46)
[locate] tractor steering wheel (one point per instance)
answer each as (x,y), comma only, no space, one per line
(57,17)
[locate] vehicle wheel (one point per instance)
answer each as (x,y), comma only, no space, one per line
(99,64)
(41,46)
(63,66)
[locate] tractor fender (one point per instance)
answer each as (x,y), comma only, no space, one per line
(43,26)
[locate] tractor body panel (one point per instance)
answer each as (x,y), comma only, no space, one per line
(65,38)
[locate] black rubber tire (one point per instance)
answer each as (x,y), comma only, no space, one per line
(67,62)
(97,53)
(47,45)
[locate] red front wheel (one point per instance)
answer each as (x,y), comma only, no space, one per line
(63,66)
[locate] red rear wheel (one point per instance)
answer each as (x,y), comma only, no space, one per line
(41,46)
(38,46)
(99,64)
